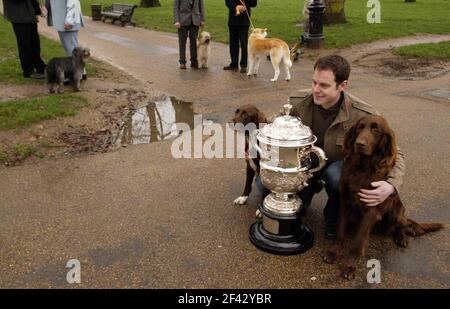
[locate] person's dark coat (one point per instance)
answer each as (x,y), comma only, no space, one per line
(21,11)
(241,19)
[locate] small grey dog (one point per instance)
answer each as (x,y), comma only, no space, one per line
(71,68)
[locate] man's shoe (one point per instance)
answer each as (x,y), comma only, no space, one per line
(243,70)
(36,75)
(194,65)
(183,66)
(330,232)
(230,68)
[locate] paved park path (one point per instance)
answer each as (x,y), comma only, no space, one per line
(137,217)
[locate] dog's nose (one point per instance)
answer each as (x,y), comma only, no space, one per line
(360,143)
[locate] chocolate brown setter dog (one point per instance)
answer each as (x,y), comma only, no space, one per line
(370,152)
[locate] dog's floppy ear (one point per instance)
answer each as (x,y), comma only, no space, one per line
(386,150)
(261,118)
(349,140)
(77,51)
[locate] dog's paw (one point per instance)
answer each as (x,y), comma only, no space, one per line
(409,231)
(241,200)
(349,272)
(258,214)
(287,79)
(330,257)
(273,79)
(401,240)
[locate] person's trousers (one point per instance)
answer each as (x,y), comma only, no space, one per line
(29,46)
(329,178)
(69,40)
(238,38)
(183,33)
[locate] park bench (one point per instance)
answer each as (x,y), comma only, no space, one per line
(120,12)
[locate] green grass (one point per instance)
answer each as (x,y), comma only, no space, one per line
(281,16)
(21,113)
(433,50)
(23,151)
(10,70)
(18,153)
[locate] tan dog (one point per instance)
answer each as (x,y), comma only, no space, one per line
(203,49)
(259,47)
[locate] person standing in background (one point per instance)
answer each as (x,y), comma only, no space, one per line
(23,16)
(238,24)
(188,16)
(66,17)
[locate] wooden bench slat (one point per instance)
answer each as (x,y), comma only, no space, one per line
(121,12)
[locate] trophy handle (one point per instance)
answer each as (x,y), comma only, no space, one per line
(322,158)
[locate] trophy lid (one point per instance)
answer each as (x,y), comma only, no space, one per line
(287,131)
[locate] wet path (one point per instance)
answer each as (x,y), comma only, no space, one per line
(137,217)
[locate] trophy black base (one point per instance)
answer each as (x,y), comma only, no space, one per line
(283,235)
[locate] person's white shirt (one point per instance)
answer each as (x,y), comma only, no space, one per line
(73,15)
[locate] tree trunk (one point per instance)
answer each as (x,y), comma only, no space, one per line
(149,3)
(334,12)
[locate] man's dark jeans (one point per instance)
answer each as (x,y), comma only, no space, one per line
(183,33)
(29,46)
(238,38)
(329,175)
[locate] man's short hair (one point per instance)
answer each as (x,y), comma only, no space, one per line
(335,63)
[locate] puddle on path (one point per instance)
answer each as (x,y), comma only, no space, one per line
(154,122)
(438,93)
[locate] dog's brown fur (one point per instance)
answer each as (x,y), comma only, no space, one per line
(370,151)
(249,114)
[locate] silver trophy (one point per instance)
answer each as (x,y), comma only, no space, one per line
(285,147)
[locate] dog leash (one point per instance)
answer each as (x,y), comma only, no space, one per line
(246,11)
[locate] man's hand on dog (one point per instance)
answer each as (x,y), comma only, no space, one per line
(382,191)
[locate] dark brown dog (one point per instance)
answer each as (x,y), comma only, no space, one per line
(248,114)
(370,152)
